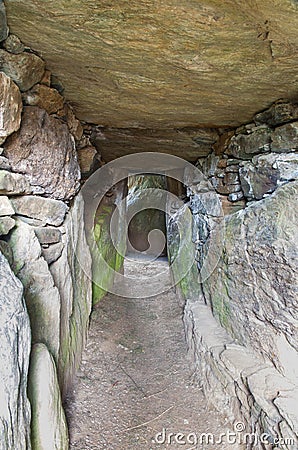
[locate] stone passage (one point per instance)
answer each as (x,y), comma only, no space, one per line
(135,380)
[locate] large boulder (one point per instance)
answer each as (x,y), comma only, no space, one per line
(76,297)
(14,355)
(25,69)
(44,150)
(41,295)
(48,427)
(10,107)
(253,290)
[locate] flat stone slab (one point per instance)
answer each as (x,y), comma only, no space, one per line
(45,209)
(13,183)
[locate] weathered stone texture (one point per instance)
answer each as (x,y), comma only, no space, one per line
(74,283)
(10,107)
(25,69)
(13,183)
(44,150)
(255,282)
(219,61)
(14,356)
(45,97)
(47,210)
(41,295)
(48,428)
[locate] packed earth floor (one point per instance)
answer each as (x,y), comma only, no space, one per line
(135,386)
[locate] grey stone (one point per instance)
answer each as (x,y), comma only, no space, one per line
(10,107)
(265,172)
(44,150)
(48,235)
(6,208)
(260,243)
(4,163)
(6,224)
(13,183)
(13,44)
(14,355)
(236,196)
(278,114)
(53,252)
(285,138)
(3,23)
(286,403)
(45,209)
(41,295)
(245,146)
(76,299)
(25,69)
(48,427)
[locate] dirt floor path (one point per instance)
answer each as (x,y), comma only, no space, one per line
(134,387)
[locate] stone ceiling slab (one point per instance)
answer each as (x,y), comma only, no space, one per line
(165,63)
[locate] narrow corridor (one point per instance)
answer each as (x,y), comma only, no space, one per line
(135,380)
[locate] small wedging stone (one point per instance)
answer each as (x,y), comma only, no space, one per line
(45,97)
(13,44)
(10,107)
(6,208)
(244,146)
(53,252)
(25,69)
(13,183)
(4,163)
(285,138)
(44,150)
(14,355)
(48,235)
(48,427)
(6,224)
(86,157)
(3,23)
(45,209)
(278,114)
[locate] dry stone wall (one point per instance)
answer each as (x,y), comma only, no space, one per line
(242,328)
(42,237)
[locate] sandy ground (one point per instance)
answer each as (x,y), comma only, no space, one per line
(135,387)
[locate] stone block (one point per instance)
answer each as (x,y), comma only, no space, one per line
(6,224)
(13,183)
(6,208)
(245,146)
(47,210)
(44,97)
(10,107)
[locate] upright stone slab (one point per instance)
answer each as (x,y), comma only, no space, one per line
(41,295)
(74,283)
(48,426)
(14,356)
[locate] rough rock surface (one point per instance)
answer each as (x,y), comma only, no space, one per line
(10,107)
(263,175)
(48,427)
(45,97)
(13,183)
(13,44)
(6,208)
(6,224)
(76,298)
(3,23)
(44,150)
(14,355)
(47,210)
(41,295)
(25,69)
(188,54)
(255,282)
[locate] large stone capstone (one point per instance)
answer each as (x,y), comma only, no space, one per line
(164,65)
